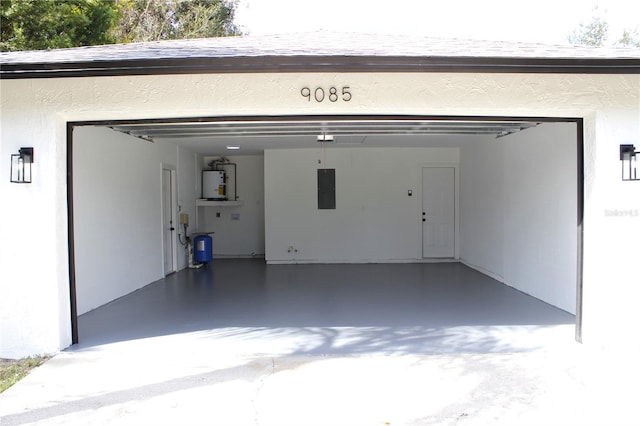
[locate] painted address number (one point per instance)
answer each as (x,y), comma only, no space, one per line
(332,94)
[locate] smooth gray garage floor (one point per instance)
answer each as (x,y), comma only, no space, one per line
(247,307)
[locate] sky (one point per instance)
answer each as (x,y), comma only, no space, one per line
(539,21)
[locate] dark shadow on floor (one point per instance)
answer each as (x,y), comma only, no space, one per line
(408,306)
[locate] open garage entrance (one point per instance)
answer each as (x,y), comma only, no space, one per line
(482,209)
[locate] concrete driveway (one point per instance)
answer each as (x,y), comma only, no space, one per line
(184,379)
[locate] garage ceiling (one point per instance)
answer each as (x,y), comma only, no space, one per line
(254,136)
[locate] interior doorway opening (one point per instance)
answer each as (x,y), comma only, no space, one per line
(168,220)
(439,219)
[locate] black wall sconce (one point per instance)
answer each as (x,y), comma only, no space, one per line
(628,159)
(21,166)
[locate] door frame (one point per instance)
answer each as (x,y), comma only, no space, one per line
(173,194)
(579,121)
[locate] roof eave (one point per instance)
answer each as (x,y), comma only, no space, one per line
(302,64)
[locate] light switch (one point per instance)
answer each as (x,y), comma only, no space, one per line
(409,193)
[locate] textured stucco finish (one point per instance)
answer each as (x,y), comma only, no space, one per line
(33,253)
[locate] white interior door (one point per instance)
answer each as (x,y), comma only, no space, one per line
(438,212)
(167,221)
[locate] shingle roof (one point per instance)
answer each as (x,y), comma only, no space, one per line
(315,47)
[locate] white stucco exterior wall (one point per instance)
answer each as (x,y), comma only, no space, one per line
(35,309)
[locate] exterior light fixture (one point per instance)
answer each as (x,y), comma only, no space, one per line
(21,166)
(628,159)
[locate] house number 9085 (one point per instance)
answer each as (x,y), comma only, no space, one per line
(332,94)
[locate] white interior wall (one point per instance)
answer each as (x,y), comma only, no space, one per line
(374,220)
(482,206)
(540,246)
(117,212)
(243,236)
(519,211)
(188,191)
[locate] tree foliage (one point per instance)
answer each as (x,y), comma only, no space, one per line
(51,24)
(630,38)
(147,20)
(594,33)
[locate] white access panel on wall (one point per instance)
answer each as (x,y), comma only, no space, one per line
(438,212)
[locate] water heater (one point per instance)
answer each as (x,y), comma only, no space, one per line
(214,185)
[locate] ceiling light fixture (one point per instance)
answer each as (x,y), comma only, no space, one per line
(325,138)
(233,147)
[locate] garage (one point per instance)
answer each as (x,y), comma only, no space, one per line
(420,201)
(523,142)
